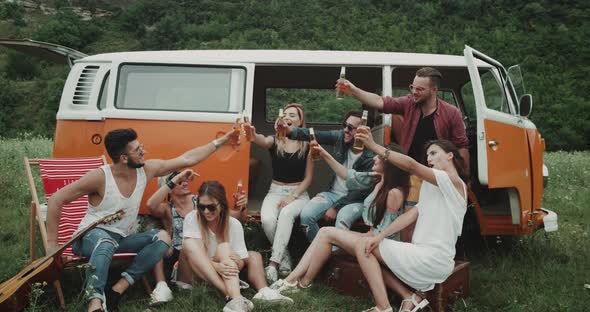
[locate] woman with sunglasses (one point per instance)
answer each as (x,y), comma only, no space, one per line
(216,251)
(292,172)
(428,259)
(390,187)
(171,203)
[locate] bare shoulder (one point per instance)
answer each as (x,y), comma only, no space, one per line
(395,192)
(95,178)
(395,199)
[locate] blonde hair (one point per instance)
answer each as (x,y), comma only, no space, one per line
(302,145)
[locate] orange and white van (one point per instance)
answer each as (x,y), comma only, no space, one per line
(177,100)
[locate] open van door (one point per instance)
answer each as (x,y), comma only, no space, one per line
(383,122)
(47,51)
(503,156)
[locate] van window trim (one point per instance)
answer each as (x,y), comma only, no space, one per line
(270,122)
(105,79)
(120,65)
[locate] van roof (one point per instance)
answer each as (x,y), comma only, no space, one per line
(294,57)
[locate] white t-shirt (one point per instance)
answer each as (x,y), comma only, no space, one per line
(191,229)
(339,183)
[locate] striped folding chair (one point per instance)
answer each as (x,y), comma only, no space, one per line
(55,174)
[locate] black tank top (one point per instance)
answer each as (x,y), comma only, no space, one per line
(288,168)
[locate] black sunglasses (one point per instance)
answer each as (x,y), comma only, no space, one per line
(210,207)
(348,126)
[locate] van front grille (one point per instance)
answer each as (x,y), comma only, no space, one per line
(84,85)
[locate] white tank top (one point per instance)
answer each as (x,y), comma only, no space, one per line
(114,201)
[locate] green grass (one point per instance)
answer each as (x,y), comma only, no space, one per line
(533,273)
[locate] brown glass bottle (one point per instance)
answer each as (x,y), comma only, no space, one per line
(358,144)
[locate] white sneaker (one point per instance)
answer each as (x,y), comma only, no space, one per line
(249,304)
(183,285)
(285,287)
(285,266)
(271,295)
(161,294)
(271,274)
(238,304)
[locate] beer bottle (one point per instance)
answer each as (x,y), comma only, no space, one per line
(239,191)
(237,129)
(358,144)
(248,130)
(339,94)
(314,154)
(281,126)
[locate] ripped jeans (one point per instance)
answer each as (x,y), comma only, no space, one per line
(100,245)
(315,209)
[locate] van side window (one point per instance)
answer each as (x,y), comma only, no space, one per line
(104,89)
(321,106)
(468,101)
(180,88)
(494,95)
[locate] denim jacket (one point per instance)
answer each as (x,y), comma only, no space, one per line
(335,138)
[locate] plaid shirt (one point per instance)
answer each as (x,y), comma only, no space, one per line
(448,120)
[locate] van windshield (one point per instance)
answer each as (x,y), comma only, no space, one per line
(180,88)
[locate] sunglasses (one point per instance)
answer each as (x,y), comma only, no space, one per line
(348,126)
(210,207)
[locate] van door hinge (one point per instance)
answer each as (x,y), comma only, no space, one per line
(482,135)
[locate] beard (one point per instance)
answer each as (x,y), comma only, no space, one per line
(423,100)
(134,165)
(420,102)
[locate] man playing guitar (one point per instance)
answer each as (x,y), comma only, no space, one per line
(111,188)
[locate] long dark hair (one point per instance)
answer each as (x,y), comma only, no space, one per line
(214,190)
(393,177)
(458,160)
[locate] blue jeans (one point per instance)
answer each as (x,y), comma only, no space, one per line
(348,214)
(100,245)
(315,209)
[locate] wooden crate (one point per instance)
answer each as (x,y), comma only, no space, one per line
(344,274)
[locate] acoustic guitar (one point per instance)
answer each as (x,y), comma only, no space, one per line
(14,293)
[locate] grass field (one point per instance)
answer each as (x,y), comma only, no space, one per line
(534,273)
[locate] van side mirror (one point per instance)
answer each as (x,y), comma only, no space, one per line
(525,104)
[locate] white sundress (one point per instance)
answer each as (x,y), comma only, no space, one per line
(429,258)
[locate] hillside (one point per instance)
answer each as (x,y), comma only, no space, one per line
(548,38)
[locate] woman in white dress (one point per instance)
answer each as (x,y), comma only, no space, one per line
(428,259)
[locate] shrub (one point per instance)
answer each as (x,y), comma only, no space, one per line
(20,66)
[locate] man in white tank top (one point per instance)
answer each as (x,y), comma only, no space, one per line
(111,188)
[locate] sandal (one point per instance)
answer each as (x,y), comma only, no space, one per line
(417,305)
(244,285)
(375,309)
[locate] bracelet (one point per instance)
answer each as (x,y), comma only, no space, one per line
(216,143)
(171,184)
(385,154)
